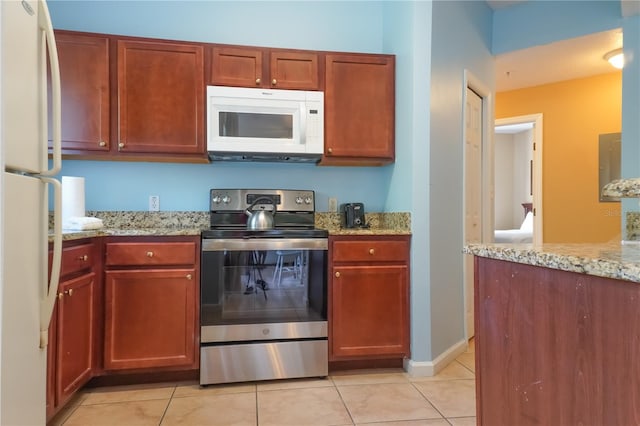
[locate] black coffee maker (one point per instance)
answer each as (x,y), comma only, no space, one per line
(352,215)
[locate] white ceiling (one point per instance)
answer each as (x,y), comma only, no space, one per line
(563,60)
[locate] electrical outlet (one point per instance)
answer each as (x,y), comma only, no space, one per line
(333,204)
(154,203)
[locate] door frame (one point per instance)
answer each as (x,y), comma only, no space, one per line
(470,81)
(536,120)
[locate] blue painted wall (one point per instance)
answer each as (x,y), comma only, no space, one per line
(630,110)
(338,26)
(540,22)
(461,40)
(408,35)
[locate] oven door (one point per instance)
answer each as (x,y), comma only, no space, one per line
(263,289)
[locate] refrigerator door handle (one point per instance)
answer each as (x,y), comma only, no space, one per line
(49,44)
(46,305)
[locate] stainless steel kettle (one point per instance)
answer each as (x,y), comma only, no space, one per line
(260,220)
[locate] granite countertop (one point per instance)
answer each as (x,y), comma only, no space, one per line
(610,260)
(127,223)
(627,188)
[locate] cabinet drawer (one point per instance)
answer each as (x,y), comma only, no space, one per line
(77,258)
(370,251)
(178,253)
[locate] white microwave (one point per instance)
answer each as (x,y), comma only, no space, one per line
(250,124)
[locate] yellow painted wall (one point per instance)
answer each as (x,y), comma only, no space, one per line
(575,113)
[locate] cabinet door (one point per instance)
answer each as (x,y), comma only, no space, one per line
(236,66)
(293,70)
(359,109)
(84,81)
(369,311)
(150,318)
(75,335)
(160,97)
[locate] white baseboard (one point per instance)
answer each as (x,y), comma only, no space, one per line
(431,368)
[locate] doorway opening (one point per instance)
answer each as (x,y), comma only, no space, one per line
(518,180)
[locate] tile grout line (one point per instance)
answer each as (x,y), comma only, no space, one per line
(346,407)
(430,403)
(164,413)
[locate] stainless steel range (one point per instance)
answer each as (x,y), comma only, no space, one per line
(263,292)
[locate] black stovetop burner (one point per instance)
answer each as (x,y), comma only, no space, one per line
(294,213)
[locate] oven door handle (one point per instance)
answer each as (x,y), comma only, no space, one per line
(243,244)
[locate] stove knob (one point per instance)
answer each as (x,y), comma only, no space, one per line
(307,200)
(298,200)
(226,199)
(216,199)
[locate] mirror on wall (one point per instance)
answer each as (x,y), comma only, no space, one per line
(609,161)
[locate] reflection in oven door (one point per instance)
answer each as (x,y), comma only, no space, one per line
(263,286)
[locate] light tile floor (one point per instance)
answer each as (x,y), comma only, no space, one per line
(381,397)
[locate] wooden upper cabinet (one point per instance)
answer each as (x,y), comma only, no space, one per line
(160,97)
(84,81)
(267,68)
(294,70)
(359,109)
(236,66)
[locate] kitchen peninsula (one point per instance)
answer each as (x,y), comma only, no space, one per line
(557,334)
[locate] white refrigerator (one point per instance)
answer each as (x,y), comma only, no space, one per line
(27,296)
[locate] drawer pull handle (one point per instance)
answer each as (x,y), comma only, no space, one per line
(274,81)
(60,295)
(84,258)
(258,81)
(121,145)
(337,274)
(188,276)
(149,254)
(69,292)
(372,251)
(102,143)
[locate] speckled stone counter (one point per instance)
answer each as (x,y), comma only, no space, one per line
(613,260)
(379,224)
(628,188)
(140,223)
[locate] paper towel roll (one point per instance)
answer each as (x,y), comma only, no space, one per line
(72,197)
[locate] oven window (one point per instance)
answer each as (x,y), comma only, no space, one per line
(255,125)
(263,286)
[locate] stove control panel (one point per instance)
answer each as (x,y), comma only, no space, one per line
(285,200)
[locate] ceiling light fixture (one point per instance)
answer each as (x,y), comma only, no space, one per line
(615,58)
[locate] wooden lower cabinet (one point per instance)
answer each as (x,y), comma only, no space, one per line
(150,318)
(368,297)
(75,335)
(71,356)
(151,299)
(555,347)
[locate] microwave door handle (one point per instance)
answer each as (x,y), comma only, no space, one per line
(303,123)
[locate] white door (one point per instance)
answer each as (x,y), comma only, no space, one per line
(472,195)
